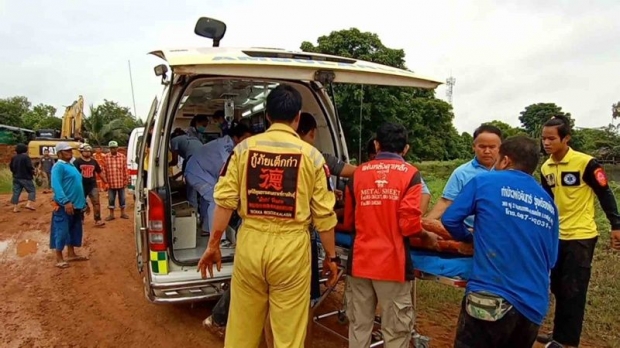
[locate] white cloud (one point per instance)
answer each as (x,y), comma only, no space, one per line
(504,57)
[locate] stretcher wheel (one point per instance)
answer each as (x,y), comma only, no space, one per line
(342,318)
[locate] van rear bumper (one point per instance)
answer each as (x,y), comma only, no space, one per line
(188,291)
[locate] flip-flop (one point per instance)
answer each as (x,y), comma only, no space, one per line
(62,265)
(31,208)
(124,216)
(99,223)
(109,218)
(77,258)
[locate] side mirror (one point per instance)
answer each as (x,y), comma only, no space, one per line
(211,29)
(161,70)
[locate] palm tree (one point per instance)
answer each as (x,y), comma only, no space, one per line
(100,129)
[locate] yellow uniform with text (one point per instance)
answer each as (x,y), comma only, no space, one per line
(279,186)
(573,196)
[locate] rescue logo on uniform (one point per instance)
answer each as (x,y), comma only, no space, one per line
(271,183)
(601,177)
(570,178)
(550,178)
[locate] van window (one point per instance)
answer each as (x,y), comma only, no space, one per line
(137,155)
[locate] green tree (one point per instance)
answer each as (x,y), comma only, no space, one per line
(429,119)
(535,115)
(507,130)
(42,116)
(12,109)
(109,121)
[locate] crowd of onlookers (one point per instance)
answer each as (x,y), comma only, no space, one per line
(72,181)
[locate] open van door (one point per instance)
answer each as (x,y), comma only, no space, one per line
(140,193)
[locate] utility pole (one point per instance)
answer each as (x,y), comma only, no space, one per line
(135,113)
(450,82)
(359,158)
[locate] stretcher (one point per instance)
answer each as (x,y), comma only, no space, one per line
(448,269)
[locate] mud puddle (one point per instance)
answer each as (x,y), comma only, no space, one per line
(27,247)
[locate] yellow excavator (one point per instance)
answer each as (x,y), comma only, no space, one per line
(71,132)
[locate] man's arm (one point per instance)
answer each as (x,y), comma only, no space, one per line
(348,223)
(99,171)
(450,192)
(338,167)
(555,241)
(426,197)
(322,209)
(226,197)
(595,176)
(348,170)
(409,214)
(29,165)
(453,219)
(59,195)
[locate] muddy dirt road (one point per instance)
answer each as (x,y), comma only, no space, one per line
(100,303)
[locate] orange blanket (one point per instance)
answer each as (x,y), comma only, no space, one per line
(447,244)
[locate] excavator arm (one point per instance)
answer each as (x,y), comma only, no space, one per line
(72,120)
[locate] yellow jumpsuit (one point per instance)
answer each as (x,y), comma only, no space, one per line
(279,185)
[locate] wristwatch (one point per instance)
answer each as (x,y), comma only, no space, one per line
(335,259)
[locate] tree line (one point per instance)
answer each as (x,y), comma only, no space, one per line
(430,120)
(105,122)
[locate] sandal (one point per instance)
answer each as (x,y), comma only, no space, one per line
(99,223)
(62,264)
(109,218)
(124,216)
(77,258)
(31,208)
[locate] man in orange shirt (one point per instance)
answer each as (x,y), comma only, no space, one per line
(99,157)
(382,207)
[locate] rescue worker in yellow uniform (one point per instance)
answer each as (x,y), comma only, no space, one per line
(279,184)
(573,179)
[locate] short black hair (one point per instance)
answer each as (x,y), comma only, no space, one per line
(370,146)
(487,128)
(21,148)
(219,114)
(523,151)
(392,137)
(239,129)
(198,118)
(307,123)
(283,103)
(562,123)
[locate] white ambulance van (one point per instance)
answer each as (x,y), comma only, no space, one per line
(201,81)
(133,156)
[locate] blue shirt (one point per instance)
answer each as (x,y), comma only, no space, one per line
(515,237)
(185,145)
(459,178)
(67,185)
(203,168)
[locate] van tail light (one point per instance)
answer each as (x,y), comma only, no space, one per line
(156,222)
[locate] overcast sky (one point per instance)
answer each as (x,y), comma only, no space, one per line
(504,57)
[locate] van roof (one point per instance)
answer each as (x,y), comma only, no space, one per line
(291,64)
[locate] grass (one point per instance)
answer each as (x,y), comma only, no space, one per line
(601,326)
(6,180)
